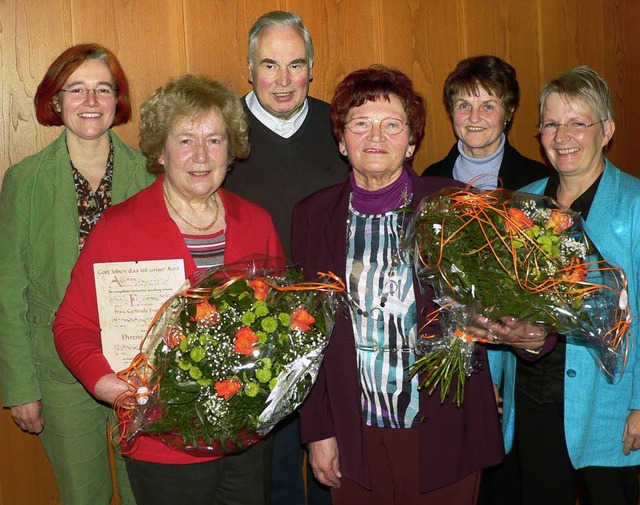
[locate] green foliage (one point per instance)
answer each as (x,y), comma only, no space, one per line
(498,254)
(228,353)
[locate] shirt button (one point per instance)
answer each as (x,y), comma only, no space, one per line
(571,372)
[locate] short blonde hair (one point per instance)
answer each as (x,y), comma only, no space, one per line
(584,85)
(190,96)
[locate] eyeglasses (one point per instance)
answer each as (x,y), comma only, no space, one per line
(573,127)
(101,93)
(389,125)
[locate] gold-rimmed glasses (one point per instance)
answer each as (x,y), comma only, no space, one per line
(388,125)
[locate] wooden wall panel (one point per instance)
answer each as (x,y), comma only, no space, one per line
(557,36)
(571,33)
(600,34)
(159,39)
(216,37)
(147,36)
(22,64)
(621,23)
(26,476)
(505,28)
(151,47)
(439,45)
(400,40)
(350,40)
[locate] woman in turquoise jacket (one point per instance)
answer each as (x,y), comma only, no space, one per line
(48,204)
(567,424)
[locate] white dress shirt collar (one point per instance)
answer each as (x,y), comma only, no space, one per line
(283,127)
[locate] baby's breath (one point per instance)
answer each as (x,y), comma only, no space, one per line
(496,254)
(220,358)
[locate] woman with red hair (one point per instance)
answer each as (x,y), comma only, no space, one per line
(374,437)
(48,205)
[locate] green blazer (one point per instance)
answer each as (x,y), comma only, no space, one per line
(38,249)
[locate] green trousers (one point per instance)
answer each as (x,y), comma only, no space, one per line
(76,442)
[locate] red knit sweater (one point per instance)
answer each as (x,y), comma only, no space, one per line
(140,229)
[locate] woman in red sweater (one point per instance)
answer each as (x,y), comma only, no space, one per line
(191,131)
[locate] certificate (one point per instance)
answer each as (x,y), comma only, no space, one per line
(129,295)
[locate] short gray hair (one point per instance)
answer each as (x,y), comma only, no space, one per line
(582,84)
(279,19)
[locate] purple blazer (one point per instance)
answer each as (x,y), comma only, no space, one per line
(454,441)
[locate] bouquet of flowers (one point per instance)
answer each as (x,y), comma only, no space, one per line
(508,254)
(227,358)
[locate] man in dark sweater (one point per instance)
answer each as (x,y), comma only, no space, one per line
(293,154)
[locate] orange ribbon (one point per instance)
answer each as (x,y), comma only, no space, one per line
(475,207)
(141,373)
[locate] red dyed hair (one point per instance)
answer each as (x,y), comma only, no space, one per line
(65,65)
(375,83)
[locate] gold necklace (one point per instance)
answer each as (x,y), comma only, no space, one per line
(206,228)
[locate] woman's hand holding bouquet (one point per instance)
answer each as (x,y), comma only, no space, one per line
(227,358)
(507,267)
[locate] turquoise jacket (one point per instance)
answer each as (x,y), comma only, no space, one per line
(38,249)
(595,406)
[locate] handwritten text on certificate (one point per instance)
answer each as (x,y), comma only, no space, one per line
(129,295)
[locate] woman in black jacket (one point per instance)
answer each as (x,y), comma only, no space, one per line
(481,95)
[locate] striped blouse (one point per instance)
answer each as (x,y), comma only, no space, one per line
(383,309)
(206,250)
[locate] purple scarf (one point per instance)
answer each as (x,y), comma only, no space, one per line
(383,200)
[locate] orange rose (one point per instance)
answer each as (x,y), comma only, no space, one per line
(245,339)
(558,221)
(227,388)
(173,337)
(301,319)
(260,289)
(576,273)
(204,310)
(518,221)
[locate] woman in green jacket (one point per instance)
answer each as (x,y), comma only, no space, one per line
(49,203)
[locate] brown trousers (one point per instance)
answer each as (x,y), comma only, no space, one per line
(393,463)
